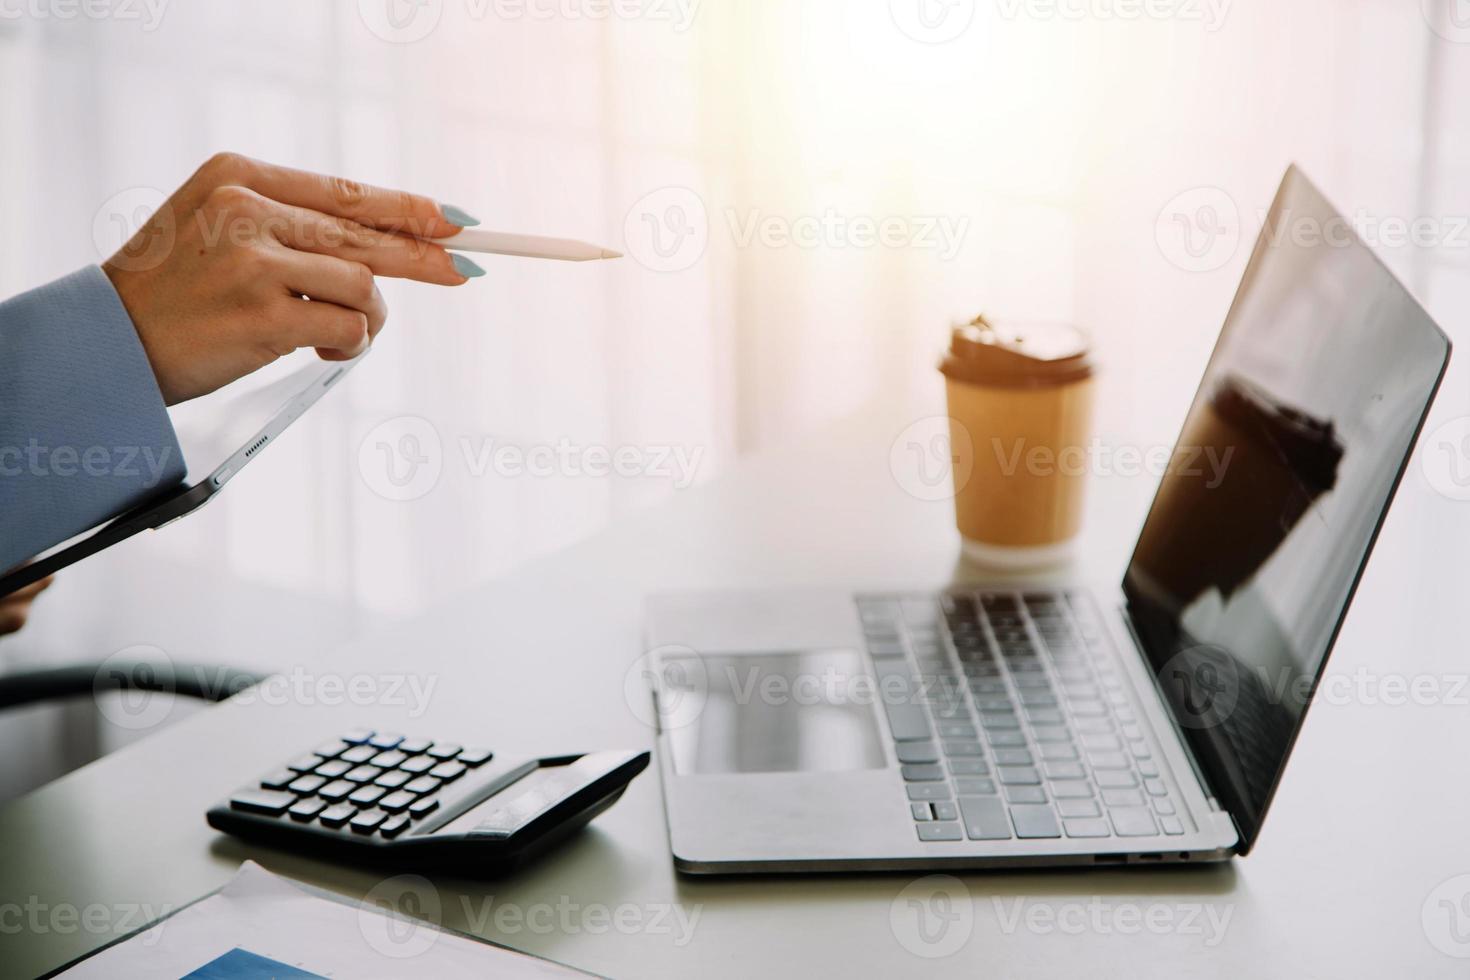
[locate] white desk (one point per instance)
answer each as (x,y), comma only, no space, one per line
(1370,820)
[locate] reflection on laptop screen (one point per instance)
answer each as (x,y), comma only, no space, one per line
(1285,468)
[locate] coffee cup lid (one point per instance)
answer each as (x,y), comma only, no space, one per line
(1018,354)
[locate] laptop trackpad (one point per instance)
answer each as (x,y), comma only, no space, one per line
(761,713)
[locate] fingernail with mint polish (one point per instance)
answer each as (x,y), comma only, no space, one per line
(465,267)
(458,217)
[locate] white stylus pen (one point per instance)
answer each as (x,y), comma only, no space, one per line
(526,246)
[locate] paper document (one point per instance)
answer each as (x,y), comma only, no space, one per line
(262,927)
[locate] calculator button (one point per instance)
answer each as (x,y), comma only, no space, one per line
(334,769)
(393,779)
(337,792)
(475,758)
(278,780)
(305,764)
(305,809)
(413,746)
(307,785)
(444,750)
(419,764)
(363,774)
(424,807)
(447,771)
(384,740)
(359,754)
(395,802)
(367,822)
(338,815)
(332,749)
(394,826)
(358,736)
(388,759)
(269,802)
(422,785)
(367,795)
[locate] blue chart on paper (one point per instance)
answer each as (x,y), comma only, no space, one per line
(241,964)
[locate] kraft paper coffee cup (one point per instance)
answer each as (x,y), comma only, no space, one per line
(1020,403)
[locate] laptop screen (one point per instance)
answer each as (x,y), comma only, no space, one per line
(1289,457)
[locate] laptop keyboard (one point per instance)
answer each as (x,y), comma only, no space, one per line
(1011,722)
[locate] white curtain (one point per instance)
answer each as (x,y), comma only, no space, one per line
(1021,160)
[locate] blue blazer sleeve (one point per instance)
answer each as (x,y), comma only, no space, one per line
(84,434)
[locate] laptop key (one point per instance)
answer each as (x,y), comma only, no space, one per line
(1058,750)
(923,774)
(1013,757)
(1108,760)
(945,810)
(969,767)
(908,722)
(1025,794)
(1071,789)
(1133,822)
(1005,739)
(1113,778)
(1164,807)
(1087,827)
(928,791)
(921,812)
(1155,787)
(1172,826)
(1019,775)
(985,818)
(908,752)
(1122,797)
(969,786)
(935,832)
(1078,808)
(956,729)
(1035,822)
(1064,770)
(964,749)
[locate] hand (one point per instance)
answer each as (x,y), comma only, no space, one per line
(217,281)
(15,608)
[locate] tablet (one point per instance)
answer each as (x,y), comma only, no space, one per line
(300,390)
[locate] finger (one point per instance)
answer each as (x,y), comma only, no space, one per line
(376,207)
(30,591)
(337,332)
(333,280)
(386,253)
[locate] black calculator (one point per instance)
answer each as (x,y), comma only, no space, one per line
(405,803)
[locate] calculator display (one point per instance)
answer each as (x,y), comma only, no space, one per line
(524,800)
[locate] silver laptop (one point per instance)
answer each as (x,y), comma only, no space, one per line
(1008,727)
